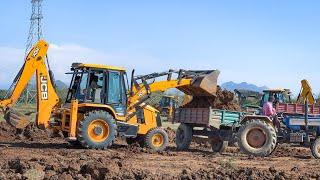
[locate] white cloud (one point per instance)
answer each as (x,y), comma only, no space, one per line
(62,56)
(11,60)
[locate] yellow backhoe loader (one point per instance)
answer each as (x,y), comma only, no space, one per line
(100,105)
(167,106)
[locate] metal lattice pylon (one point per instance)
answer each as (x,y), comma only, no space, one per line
(35,34)
(35,30)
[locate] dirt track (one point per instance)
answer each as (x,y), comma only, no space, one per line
(53,158)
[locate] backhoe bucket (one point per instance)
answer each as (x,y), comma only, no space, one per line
(203,85)
(16,119)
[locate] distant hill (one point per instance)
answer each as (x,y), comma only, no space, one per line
(231,86)
(61,85)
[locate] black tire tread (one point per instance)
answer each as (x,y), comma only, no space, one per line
(314,148)
(183,146)
(148,136)
(97,114)
(224,145)
(264,152)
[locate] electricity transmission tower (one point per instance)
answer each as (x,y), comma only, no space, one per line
(35,30)
(35,34)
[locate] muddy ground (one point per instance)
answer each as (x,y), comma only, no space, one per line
(36,155)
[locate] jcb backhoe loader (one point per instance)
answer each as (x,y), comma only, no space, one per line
(100,106)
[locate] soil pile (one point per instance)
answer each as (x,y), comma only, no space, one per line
(30,133)
(287,150)
(223,100)
(7,131)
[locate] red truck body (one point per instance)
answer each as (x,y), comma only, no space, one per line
(294,108)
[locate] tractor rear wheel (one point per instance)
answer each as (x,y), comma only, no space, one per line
(217,144)
(97,130)
(315,148)
(157,140)
(257,138)
(184,137)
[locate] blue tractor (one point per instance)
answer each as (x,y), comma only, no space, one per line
(297,123)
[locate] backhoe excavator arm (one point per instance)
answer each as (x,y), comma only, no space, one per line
(306,93)
(195,83)
(47,97)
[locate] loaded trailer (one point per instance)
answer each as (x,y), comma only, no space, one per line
(216,126)
(256,135)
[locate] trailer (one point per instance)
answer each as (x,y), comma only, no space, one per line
(216,126)
(296,109)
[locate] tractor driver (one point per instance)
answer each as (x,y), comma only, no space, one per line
(269,111)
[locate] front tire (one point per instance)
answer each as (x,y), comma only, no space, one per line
(315,148)
(97,130)
(218,145)
(157,140)
(257,138)
(184,137)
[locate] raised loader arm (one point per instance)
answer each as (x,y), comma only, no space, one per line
(306,93)
(47,97)
(194,83)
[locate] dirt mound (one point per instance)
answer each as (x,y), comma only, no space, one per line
(7,131)
(224,100)
(30,133)
(229,172)
(287,150)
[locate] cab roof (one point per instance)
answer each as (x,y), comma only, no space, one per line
(97,66)
(169,96)
(276,90)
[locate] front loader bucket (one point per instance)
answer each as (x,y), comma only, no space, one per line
(16,119)
(203,85)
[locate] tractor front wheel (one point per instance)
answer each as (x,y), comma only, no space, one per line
(315,148)
(184,137)
(217,144)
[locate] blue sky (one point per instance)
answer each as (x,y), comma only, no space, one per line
(272,43)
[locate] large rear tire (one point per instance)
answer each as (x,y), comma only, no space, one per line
(183,137)
(97,130)
(315,148)
(257,138)
(157,140)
